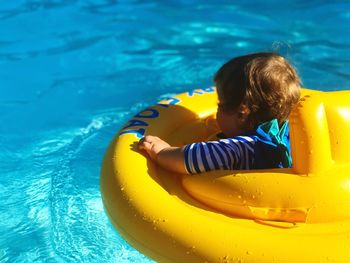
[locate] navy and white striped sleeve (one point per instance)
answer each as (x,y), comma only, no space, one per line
(227,154)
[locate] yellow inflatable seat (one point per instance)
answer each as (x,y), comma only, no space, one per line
(301,214)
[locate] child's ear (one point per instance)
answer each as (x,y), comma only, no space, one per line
(243,112)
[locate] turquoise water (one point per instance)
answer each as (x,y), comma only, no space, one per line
(72,72)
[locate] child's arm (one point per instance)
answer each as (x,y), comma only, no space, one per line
(170,158)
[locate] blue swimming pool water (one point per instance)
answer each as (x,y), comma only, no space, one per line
(72,72)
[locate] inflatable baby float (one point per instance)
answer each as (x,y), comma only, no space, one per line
(298,214)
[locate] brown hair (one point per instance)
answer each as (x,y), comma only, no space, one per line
(263,82)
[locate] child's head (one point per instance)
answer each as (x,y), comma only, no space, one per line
(253,89)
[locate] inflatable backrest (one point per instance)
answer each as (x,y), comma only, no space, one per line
(338,115)
(319,130)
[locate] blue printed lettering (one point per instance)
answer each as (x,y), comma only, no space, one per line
(200,91)
(148,113)
(196,91)
(139,133)
(151,113)
(169,101)
(133,123)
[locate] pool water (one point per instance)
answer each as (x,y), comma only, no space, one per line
(72,72)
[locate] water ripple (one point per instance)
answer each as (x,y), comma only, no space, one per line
(80,227)
(77,44)
(32,6)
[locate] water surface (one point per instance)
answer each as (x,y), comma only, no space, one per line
(72,72)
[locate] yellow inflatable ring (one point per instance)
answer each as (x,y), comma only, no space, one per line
(301,214)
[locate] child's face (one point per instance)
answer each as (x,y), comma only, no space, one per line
(230,122)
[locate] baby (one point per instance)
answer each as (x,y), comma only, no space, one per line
(256,94)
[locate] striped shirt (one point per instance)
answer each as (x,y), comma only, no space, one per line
(227,154)
(268,147)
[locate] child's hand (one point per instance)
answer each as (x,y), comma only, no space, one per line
(152,145)
(170,158)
